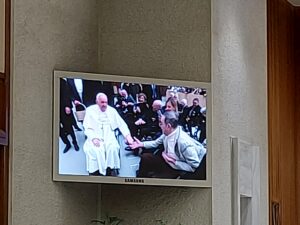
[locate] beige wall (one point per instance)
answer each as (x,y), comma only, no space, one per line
(157,38)
(47,35)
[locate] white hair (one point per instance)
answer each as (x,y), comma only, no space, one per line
(183,101)
(174,94)
(99,95)
(157,102)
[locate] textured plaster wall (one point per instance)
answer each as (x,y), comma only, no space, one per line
(239,84)
(167,39)
(157,38)
(47,35)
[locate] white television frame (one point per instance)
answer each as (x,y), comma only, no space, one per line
(129,180)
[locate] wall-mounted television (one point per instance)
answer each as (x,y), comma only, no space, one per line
(131,130)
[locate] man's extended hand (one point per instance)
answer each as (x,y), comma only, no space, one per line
(136,144)
(96,142)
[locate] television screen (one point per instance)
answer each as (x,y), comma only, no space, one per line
(132,130)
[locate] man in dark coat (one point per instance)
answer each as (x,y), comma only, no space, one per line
(89,89)
(152,92)
(196,119)
(66,114)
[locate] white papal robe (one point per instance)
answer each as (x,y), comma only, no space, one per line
(102,125)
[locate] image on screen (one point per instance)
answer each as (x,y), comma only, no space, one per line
(112,128)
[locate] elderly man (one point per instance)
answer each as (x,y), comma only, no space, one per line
(151,128)
(181,153)
(195,119)
(102,147)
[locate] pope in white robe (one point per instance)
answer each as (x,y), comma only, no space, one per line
(101,146)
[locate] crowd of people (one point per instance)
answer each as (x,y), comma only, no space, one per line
(168,134)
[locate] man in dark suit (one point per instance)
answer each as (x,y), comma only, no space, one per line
(84,91)
(124,106)
(196,119)
(152,92)
(66,120)
(151,128)
(183,114)
(132,89)
(74,96)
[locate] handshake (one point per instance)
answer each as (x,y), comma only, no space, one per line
(135,146)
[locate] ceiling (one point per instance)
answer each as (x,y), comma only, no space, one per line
(295,2)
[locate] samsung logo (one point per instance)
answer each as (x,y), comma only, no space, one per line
(134,180)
